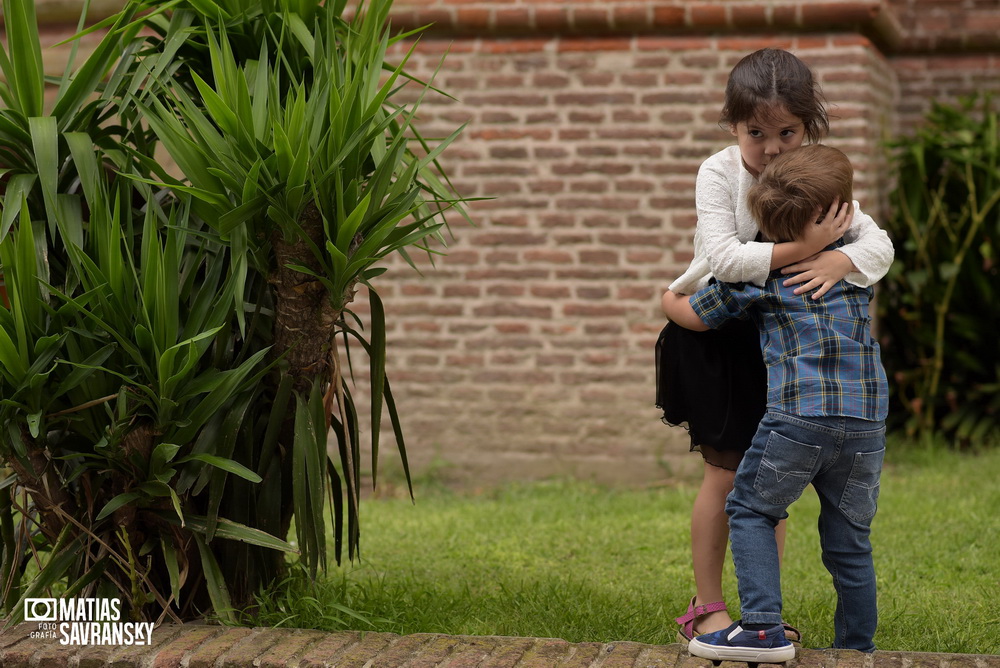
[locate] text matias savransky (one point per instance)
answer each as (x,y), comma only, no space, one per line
(85,621)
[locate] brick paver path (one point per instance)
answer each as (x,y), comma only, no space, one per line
(175,646)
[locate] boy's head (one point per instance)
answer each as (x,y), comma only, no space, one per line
(797,188)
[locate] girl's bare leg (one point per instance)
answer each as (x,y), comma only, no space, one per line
(709,539)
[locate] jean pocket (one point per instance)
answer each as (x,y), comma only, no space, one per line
(860,499)
(786,468)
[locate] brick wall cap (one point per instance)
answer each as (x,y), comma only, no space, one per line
(876,19)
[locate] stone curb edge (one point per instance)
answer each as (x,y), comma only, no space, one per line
(200,646)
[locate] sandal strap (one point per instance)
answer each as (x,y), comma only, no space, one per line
(701,610)
(695,611)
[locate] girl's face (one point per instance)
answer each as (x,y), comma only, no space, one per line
(761,140)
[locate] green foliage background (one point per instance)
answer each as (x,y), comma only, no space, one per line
(940,303)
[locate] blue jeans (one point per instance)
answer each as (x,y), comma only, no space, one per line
(842,458)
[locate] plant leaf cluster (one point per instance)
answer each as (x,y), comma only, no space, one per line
(941,304)
(175,351)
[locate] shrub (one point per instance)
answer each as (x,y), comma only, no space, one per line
(941,301)
(175,351)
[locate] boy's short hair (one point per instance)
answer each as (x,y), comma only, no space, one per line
(794,185)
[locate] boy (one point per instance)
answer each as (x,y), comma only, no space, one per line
(826,406)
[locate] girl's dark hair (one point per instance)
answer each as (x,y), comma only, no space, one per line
(770,77)
(794,185)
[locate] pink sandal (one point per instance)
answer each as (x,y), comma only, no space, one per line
(686,631)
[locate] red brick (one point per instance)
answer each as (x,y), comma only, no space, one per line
(850,40)
(707,16)
(637,293)
(668,17)
(575,133)
(508,153)
(750,16)
(620,654)
(344,649)
(506,290)
(508,310)
(550,291)
(441,18)
(512,19)
(511,328)
(172,653)
(473,18)
(548,186)
(416,290)
(598,257)
(523,378)
(745,45)
(503,256)
(597,78)
(786,15)
(597,151)
(550,80)
(208,653)
(631,17)
(491,134)
(514,46)
(552,19)
(593,292)
(432,652)
(593,310)
(827,14)
(639,80)
(586,118)
(595,44)
(806,42)
(634,186)
(548,256)
(674,44)
(542,654)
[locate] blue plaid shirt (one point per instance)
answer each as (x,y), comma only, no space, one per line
(821,358)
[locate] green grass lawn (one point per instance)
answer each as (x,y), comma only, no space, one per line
(577,561)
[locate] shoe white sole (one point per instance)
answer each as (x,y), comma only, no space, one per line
(748,654)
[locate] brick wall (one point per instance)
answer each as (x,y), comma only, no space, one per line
(951,49)
(527,349)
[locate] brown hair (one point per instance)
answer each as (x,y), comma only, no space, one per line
(768,78)
(794,185)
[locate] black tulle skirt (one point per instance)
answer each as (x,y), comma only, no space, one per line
(713,383)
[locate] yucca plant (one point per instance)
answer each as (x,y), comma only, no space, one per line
(176,349)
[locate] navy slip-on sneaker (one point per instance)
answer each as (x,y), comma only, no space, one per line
(737,644)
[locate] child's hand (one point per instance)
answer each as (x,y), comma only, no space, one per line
(821,271)
(833,226)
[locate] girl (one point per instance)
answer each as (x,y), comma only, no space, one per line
(714,382)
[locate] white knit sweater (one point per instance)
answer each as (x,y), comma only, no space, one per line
(724,244)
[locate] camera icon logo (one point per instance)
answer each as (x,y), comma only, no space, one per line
(40,610)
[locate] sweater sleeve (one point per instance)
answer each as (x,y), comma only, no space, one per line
(869,248)
(730,260)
